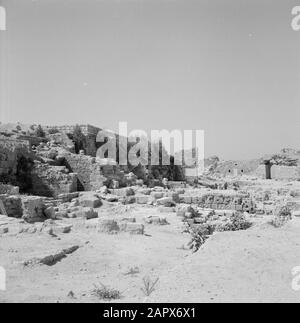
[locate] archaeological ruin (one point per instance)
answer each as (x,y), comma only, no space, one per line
(53,186)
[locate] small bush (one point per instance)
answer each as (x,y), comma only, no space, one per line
(149,285)
(105,293)
(282,216)
(132,271)
(237,222)
(199,234)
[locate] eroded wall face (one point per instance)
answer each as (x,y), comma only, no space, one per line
(52,181)
(14,155)
(285,172)
(91,175)
(279,172)
(221,201)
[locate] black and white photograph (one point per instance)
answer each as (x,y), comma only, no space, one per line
(149,154)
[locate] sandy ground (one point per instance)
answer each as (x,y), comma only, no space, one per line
(252,265)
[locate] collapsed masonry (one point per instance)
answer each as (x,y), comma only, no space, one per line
(15,161)
(51,168)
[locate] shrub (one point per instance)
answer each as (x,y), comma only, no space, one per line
(132,271)
(106,293)
(237,222)
(282,216)
(149,285)
(199,234)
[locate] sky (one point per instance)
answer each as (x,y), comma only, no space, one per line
(230,68)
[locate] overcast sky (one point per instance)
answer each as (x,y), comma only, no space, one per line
(231,68)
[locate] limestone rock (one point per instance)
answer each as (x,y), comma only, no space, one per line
(156,220)
(33,208)
(165,201)
(86,213)
(133,228)
(108,226)
(50,212)
(142,199)
(166,209)
(90,200)
(157,195)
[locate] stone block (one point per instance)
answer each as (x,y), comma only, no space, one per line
(185,199)
(108,226)
(62,228)
(50,212)
(33,208)
(86,213)
(174,196)
(156,220)
(90,200)
(133,228)
(126,191)
(142,199)
(157,195)
(166,209)
(166,201)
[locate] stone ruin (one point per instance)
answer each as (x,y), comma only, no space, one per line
(62,184)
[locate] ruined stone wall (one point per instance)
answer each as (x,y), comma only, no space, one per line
(90,132)
(113,173)
(220,201)
(52,180)
(279,172)
(91,148)
(236,168)
(285,172)
(63,140)
(87,170)
(12,204)
(9,150)
(13,157)
(91,174)
(85,128)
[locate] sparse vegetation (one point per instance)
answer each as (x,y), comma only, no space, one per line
(237,222)
(149,285)
(105,293)
(282,216)
(132,271)
(199,234)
